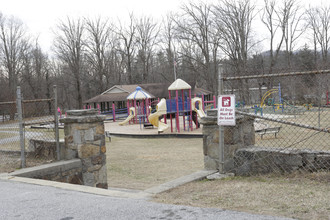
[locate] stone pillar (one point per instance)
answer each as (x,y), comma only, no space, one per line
(84,139)
(235,137)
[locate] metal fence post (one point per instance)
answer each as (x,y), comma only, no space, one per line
(57,139)
(20,119)
(221,129)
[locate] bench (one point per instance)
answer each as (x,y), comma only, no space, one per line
(273,130)
(107,134)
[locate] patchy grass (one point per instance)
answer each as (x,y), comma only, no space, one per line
(6,135)
(293,137)
(143,163)
(10,162)
(302,196)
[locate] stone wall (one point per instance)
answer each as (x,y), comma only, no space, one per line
(69,171)
(84,139)
(235,137)
(255,160)
(243,158)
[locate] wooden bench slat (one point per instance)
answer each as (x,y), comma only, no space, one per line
(272,130)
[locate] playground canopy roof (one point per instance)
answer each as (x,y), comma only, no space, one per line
(179,84)
(138,94)
(119,93)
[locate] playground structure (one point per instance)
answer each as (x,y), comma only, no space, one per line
(139,100)
(154,117)
(200,112)
(178,113)
(271,101)
(130,116)
(267,101)
(272,105)
(176,86)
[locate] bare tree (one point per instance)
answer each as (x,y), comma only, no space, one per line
(69,47)
(234,22)
(291,17)
(35,71)
(146,40)
(12,40)
(195,32)
(96,44)
(167,39)
(127,45)
(319,23)
(272,23)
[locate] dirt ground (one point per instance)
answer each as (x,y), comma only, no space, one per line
(300,196)
(143,163)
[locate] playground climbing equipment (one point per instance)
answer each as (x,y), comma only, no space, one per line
(130,116)
(161,110)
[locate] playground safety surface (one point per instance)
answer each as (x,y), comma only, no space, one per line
(137,130)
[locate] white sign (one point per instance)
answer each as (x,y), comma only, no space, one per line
(226,110)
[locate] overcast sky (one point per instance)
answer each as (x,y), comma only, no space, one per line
(42,15)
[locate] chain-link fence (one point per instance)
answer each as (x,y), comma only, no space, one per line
(291,114)
(28,132)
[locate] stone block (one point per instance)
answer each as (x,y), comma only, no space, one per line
(233,135)
(100,129)
(248,128)
(83,126)
(249,139)
(230,150)
(68,154)
(77,137)
(94,168)
(213,150)
(294,160)
(102,185)
(103,149)
(229,165)
(67,130)
(98,159)
(205,146)
(88,179)
(88,135)
(75,179)
(88,150)
(211,163)
(309,161)
(102,174)
(210,129)
(68,139)
(86,162)
(228,135)
(323,161)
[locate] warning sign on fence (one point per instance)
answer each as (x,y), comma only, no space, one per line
(226,110)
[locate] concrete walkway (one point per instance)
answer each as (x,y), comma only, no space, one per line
(61,201)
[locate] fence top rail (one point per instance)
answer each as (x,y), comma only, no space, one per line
(37,100)
(325,130)
(315,72)
(7,103)
(27,101)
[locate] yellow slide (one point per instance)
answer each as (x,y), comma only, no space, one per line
(154,118)
(199,111)
(130,116)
